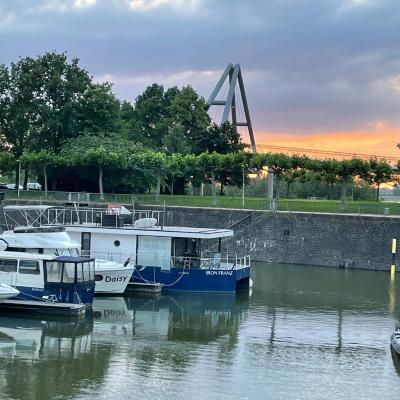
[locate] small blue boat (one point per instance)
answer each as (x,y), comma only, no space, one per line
(47,278)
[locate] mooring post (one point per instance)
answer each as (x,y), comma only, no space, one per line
(393,265)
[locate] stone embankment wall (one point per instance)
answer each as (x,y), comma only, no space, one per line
(334,240)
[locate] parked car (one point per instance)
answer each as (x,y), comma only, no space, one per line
(34,186)
(12,186)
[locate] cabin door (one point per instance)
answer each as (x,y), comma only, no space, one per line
(86,240)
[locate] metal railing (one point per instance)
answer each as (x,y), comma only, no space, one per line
(82,216)
(250,203)
(211,261)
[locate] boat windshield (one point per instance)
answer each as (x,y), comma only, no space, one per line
(69,271)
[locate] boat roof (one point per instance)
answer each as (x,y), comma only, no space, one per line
(73,259)
(29,207)
(35,256)
(167,231)
(25,256)
(44,240)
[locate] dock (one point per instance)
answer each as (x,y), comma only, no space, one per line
(145,288)
(40,307)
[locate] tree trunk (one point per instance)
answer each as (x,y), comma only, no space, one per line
(17,169)
(377,191)
(26,176)
(277,194)
(172,186)
(45,180)
(213,188)
(343,196)
(158,186)
(101,182)
(288,190)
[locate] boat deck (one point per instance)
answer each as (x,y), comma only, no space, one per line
(40,307)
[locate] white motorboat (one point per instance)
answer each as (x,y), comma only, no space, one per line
(112,277)
(7,292)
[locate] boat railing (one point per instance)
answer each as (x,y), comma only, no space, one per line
(126,259)
(214,261)
(107,217)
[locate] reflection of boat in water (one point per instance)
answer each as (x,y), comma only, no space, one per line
(188,317)
(34,338)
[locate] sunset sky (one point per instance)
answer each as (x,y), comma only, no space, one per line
(318,73)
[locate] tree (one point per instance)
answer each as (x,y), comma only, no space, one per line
(378,172)
(19,114)
(100,110)
(347,170)
(221,139)
(63,87)
(100,151)
(40,161)
(7,162)
(292,176)
(189,110)
(150,115)
(175,141)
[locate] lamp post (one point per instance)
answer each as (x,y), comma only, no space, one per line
(19,176)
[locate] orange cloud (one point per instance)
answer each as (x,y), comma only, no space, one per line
(380,142)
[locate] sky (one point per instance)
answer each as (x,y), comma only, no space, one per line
(318,73)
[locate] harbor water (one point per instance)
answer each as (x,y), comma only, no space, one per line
(302,333)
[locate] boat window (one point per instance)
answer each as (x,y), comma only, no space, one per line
(79,272)
(85,243)
(69,273)
(186,247)
(16,249)
(54,271)
(86,271)
(91,264)
(31,267)
(8,265)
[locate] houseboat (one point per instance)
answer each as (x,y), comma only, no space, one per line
(26,233)
(48,278)
(178,258)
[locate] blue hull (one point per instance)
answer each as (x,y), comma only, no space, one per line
(194,280)
(84,296)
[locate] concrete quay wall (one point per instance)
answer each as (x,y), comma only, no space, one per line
(333,240)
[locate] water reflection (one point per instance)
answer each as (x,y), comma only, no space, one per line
(302,329)
(188,317)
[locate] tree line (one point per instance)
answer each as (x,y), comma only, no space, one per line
(60,125)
